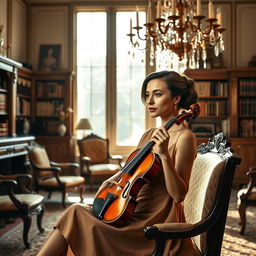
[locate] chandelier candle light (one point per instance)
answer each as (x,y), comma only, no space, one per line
(176,37)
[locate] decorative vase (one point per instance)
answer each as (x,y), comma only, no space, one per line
(26,127)
(61,129)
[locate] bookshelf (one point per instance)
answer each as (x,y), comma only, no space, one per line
(24,101)
(53,92)
(213,88)
(247,107)
(228,103)
(8,93)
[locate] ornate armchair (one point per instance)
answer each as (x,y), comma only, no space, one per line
(247,197)
(47,174)
(206,203)
(22,205)
(95,159)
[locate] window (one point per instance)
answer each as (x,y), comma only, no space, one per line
(109,82)
(91,69)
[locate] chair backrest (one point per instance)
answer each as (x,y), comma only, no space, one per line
(38,158)
(209,194)
(94,147)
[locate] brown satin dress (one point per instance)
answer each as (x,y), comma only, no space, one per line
(88,236)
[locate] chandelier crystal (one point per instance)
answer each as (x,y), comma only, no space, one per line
(177,37)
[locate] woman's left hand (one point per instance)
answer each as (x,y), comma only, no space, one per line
(161,138)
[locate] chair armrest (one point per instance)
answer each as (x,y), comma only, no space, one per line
(86,159)
(117,158)
(173,231)
(23,181)
(252,182)
(10,184)
(63,165)
(54,169)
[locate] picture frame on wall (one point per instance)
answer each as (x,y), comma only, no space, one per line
(203,129)
(49,57)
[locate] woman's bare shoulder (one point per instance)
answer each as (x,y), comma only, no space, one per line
(187,136)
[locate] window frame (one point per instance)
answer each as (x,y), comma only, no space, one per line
(111,101)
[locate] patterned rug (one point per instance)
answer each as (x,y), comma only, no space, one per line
(234,244)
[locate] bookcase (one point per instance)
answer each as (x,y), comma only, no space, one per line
(227,98)
(24,101)
(53,92)
(8,93)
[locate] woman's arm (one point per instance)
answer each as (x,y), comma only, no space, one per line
(176,177)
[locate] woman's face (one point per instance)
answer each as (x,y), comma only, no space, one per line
(159,100)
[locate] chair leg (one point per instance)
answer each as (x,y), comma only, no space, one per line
(242,213)
(81,192)
(26,227)
(63,192)
(49,195)
(91,183)
(39,219)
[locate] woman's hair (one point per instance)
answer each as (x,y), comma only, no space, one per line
(179,85)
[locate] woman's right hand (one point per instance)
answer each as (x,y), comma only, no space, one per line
(107,182)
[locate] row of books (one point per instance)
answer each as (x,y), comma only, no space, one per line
(3,103)
(47,108)
(49,89)
(213,108)
(4,129)
(24,86)
(247,87)
(248,128)
(3,82)
(211,88)
(23,106)
(248,107)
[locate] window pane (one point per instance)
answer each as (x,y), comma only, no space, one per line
(129,76)
(91,69)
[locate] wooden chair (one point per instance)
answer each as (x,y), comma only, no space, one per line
(47,174)
(95,159)
(206,203)
(247,197)
(22,205)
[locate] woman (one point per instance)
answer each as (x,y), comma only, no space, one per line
(164,94)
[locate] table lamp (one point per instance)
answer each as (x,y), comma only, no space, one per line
(84,124)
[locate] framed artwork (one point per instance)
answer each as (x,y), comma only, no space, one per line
(203,129)
(49,57)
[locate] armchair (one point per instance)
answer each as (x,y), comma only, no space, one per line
(47,174)
(95,159)
(22,205)
(206,203)
(247,197)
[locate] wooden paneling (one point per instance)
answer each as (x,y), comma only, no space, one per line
(245,33)
(49,25)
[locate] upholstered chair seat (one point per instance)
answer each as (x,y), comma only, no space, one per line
(30,200)
(70,181)
(19,201)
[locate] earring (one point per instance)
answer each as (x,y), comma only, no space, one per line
(176,106)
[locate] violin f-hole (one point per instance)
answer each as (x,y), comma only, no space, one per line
(125,190)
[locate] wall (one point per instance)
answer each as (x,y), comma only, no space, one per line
(4,17)
(13,15)
(49,26)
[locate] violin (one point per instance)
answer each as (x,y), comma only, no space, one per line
(115,204)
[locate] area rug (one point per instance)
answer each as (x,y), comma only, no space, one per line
(234,244)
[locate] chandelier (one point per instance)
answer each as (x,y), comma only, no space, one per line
(180,35)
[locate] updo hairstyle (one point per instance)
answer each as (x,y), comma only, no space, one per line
(179,85)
